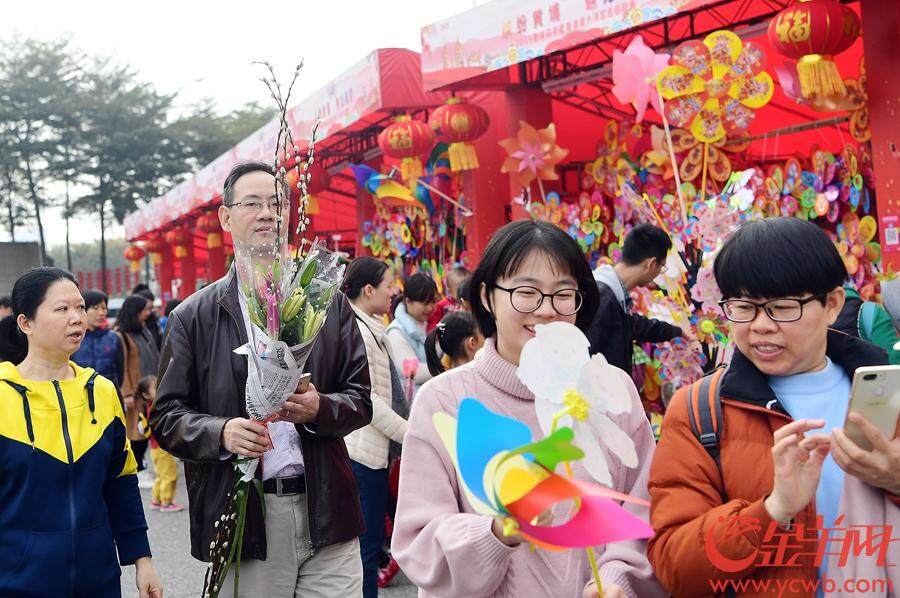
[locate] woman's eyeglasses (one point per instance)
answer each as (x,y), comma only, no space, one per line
(742,311)
(527,299)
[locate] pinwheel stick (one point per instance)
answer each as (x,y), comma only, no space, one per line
(464,210)
(705,167)
(681,202)
(541,187)
(592,558)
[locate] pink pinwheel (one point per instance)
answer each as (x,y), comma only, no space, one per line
(634,73)
(712,223)
(706,291)
(680,363)
(533,153)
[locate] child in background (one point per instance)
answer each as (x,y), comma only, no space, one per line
(453,342)
(165,464)
(450,302)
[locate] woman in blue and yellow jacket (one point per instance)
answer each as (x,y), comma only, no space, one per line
(68,488)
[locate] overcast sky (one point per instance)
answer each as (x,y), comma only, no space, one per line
(205,49)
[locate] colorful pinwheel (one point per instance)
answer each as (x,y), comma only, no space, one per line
(680,363)
(533,154)
(634,73)
(505,474)
(715,85)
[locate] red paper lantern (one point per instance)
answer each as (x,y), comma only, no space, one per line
(813,32)
(209,224)
(134,254)
(407,140)
(178,238)
(459,123)
(154,246)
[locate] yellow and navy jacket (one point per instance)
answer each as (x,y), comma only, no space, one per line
(68,487)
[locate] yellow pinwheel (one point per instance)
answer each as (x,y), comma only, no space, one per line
(714,86)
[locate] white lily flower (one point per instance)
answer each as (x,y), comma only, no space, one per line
(573,389)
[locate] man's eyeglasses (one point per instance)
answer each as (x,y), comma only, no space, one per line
(255,205)
(779,310)
(527,300)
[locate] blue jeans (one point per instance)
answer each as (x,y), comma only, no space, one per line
(373,493)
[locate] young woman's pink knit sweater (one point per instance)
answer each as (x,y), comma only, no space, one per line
(446,549)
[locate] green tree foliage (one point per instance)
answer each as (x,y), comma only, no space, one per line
(90,136)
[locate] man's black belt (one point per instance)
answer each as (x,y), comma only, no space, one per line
(295,484)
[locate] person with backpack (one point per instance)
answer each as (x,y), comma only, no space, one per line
(752,463)
(869,321)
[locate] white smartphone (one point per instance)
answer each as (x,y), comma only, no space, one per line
(875,395)
(303,384)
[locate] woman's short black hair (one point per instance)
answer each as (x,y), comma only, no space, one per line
(462,291)
(127,319)
(362,271)
(94,297)
(510,247)
(29,291)
(779,257)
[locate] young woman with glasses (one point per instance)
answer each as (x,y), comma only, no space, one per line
(783,465)
(532,273)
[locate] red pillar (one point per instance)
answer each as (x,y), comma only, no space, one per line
(165,273)
(215,263)
(488,191)
(881,22)
(188,270)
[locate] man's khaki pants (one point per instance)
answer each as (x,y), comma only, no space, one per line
(290,571)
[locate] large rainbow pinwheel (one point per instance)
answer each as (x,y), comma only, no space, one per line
(715,85)
(505,474)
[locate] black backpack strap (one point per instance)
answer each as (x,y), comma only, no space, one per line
(90,393)
(707,421)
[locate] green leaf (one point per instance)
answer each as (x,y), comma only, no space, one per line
(309,273)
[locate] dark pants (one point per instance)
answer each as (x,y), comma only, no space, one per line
(373,493)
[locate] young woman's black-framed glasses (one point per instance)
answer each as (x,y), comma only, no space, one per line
(527,300)
(742,311)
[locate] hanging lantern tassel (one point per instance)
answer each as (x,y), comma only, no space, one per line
(462,156)
(411,169)
(819,77)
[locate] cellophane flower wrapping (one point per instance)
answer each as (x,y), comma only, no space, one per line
(286,302)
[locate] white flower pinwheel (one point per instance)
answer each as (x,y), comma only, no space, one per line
(571,388)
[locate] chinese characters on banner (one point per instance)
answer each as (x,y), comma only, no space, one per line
(506,32)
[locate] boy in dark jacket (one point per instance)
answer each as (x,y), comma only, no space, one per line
(615,328)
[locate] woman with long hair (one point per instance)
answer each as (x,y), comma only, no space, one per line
(67,475)
(141,359)
(531,273)
(453,342)
(406,334)
(367,284)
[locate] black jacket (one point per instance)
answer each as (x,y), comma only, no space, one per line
(201,386)
(614,332)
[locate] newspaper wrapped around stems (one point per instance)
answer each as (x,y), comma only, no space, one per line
(285,308)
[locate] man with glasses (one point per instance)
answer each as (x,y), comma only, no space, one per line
(306,543)
(781,460)
(616,328)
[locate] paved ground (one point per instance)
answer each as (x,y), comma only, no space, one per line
(182,576)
